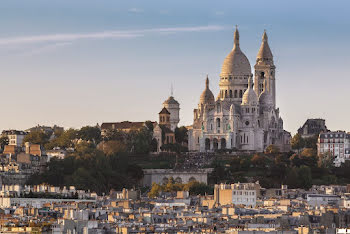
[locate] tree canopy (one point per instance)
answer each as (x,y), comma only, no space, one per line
(89,168)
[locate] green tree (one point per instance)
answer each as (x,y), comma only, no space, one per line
(155,190)
(297,142)
(89,133)
(292,178)
(311,142)
(272,149)
(112,147)
(309,157)
(4,140)
(37,137)
(258,160)
(304,177)
(149,125)
(197,188)
(309,152)
(63,140)
(325,160)
(89,168)
(181,135)
(141,141)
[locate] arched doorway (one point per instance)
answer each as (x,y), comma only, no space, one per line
(178,180)
(223,143)
(215,144)
(192,179)
(165,180)
(207,144)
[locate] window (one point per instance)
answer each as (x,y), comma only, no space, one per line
(218,122)
(225,93)
(240,93)
(230,93)
(235,93)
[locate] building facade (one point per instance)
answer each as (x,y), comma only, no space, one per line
(15,137)
(244,114)
(312,127)
(239,194)
(336,144)
(169,118)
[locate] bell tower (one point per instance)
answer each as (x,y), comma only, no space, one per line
(164,117)
(265,70)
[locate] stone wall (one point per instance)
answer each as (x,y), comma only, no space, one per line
(160,176)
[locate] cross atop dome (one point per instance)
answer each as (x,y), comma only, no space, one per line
(236,38)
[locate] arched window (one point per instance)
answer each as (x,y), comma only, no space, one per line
(262,75)
(207,144)
(218,122)
(225,93)
(247,140)
(230,93)
(236,93)
(240,93)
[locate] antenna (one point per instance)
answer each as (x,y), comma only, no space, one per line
(171,90)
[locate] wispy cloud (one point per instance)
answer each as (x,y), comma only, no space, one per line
(71,37)
(136,10)
(45,49)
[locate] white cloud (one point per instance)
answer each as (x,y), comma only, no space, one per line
(136,10)
(71,37)
(45,48)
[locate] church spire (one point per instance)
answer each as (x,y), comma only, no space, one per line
(171,90)
(236,38)
(264,53)
(264,38)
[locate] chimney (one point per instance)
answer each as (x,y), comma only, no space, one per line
(27,145)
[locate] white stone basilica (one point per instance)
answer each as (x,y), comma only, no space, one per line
(244,115)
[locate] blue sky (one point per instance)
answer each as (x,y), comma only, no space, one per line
(76,63)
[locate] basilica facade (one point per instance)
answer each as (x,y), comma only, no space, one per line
(244,115)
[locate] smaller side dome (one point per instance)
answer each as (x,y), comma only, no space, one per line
(207,96)
(265,99)
(249,96)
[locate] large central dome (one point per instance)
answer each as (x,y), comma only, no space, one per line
(236,63)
